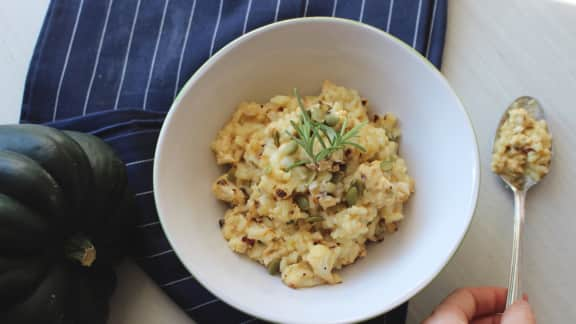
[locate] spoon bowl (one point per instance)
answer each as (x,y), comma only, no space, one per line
(533,107)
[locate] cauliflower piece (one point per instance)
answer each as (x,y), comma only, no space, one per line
(349,224)
(300,275)
(349,252)
(378,190)
(285,211)
(232,139)
(227,191)
(322,260)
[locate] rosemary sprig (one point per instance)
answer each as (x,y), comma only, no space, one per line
(308,131)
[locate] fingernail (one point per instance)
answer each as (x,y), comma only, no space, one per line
(525,297)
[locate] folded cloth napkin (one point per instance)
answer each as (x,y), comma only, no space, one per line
(113,67)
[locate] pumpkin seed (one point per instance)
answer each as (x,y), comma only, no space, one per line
(332,120)
(329,187)
(276,136)
(351,195)
(314,219)
(274,266)
(316,114)
(231,176)
(302,202)
(392,137)
(360,186)
(386,165)
(290,148)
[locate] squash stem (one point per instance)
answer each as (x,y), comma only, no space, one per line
(80,248)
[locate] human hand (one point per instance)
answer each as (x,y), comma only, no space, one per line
(481,305)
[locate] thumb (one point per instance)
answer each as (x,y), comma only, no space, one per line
(519,313)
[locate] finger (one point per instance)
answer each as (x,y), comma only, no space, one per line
(478,301)
(525,297)
(519,313)
(467,303)
(490,319)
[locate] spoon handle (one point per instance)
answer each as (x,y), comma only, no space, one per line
(514,289)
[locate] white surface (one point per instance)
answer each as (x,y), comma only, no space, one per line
(20,23)
(496,50)
(312,50)
(138,300)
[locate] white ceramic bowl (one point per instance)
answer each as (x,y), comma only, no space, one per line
(438,144)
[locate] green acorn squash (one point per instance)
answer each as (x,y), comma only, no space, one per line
(65,212)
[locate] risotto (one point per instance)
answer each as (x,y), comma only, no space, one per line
(523,148)
(309,185)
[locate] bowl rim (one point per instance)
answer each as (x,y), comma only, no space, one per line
(476,176)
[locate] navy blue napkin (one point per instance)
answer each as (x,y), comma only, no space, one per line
(113,67)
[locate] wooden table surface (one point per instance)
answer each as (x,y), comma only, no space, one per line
(496,50)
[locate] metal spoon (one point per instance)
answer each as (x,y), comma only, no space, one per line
(519,190)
